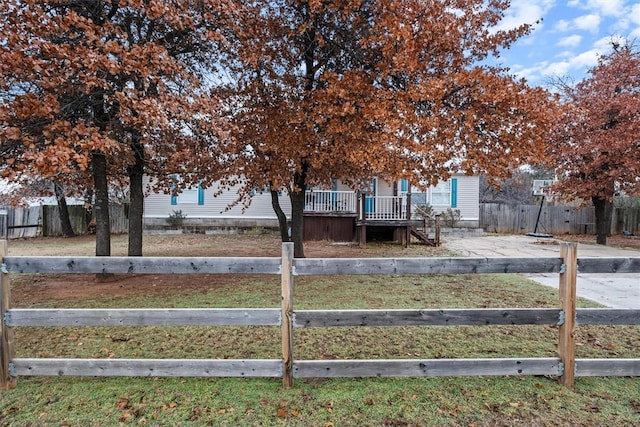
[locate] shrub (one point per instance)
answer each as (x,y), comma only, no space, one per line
(451,217)
(176,219)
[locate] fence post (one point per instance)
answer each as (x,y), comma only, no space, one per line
(567,287)
(287,314)
(7,350)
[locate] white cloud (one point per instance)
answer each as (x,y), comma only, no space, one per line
(532,74)
(564,54)
(620,25)
(634,16)
(585,59)
(562,25)
(589,22)
(524,12)
(601,7)
(570,41)
(557,69)
(605,43)
(569,64)
(607,7)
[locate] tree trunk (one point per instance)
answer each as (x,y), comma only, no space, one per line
(88,210)
(297,209)
(604,213)
(136,200)
(65,222)
(282,218)
(297,217)
(101,205)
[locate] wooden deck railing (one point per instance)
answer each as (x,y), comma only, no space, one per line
(566,316)
(370,208)
(327,201)
(387,208)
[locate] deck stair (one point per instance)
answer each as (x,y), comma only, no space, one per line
(423,237)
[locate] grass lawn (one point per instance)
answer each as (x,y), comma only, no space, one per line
(465,401)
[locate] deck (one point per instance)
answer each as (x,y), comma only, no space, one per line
(346,215)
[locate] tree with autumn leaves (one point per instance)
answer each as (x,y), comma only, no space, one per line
(388,88)
(595,146)
(104,91)
(297,93)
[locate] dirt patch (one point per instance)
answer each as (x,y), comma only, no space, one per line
(35,289)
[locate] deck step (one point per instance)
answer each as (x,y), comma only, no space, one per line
(423,237)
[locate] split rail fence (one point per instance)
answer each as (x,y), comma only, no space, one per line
(566,316)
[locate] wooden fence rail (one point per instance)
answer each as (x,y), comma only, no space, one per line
(566,316)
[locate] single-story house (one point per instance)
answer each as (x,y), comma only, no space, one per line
(333,213)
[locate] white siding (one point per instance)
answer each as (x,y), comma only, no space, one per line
(468,197)
(158,205)
(384,188)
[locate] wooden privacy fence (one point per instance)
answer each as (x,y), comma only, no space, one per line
(44,220)
(503,218)
(566,316)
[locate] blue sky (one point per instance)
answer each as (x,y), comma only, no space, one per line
(570,37)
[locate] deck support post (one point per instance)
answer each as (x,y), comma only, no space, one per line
(567,290)
(362,236)
(7,350)
(361,218)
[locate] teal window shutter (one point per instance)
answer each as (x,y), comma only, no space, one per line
(404,186)
(200,195)
(454,192)
(174,197)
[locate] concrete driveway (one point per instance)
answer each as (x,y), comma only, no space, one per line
(611,290)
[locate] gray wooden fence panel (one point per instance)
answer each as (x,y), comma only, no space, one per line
(608,367)
(4,217)
(556,219)
(310,266)
(427,367)
(24,222)
(149,367)
(627,219)
(119,219)
(143,265)
(302,318)
(44,220)
(400,317)
(51,220)
(144,317)
(609,265)
(607,316)
(320,266)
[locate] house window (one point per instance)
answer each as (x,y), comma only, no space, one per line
(441,194)
(445,193)
(191,196)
